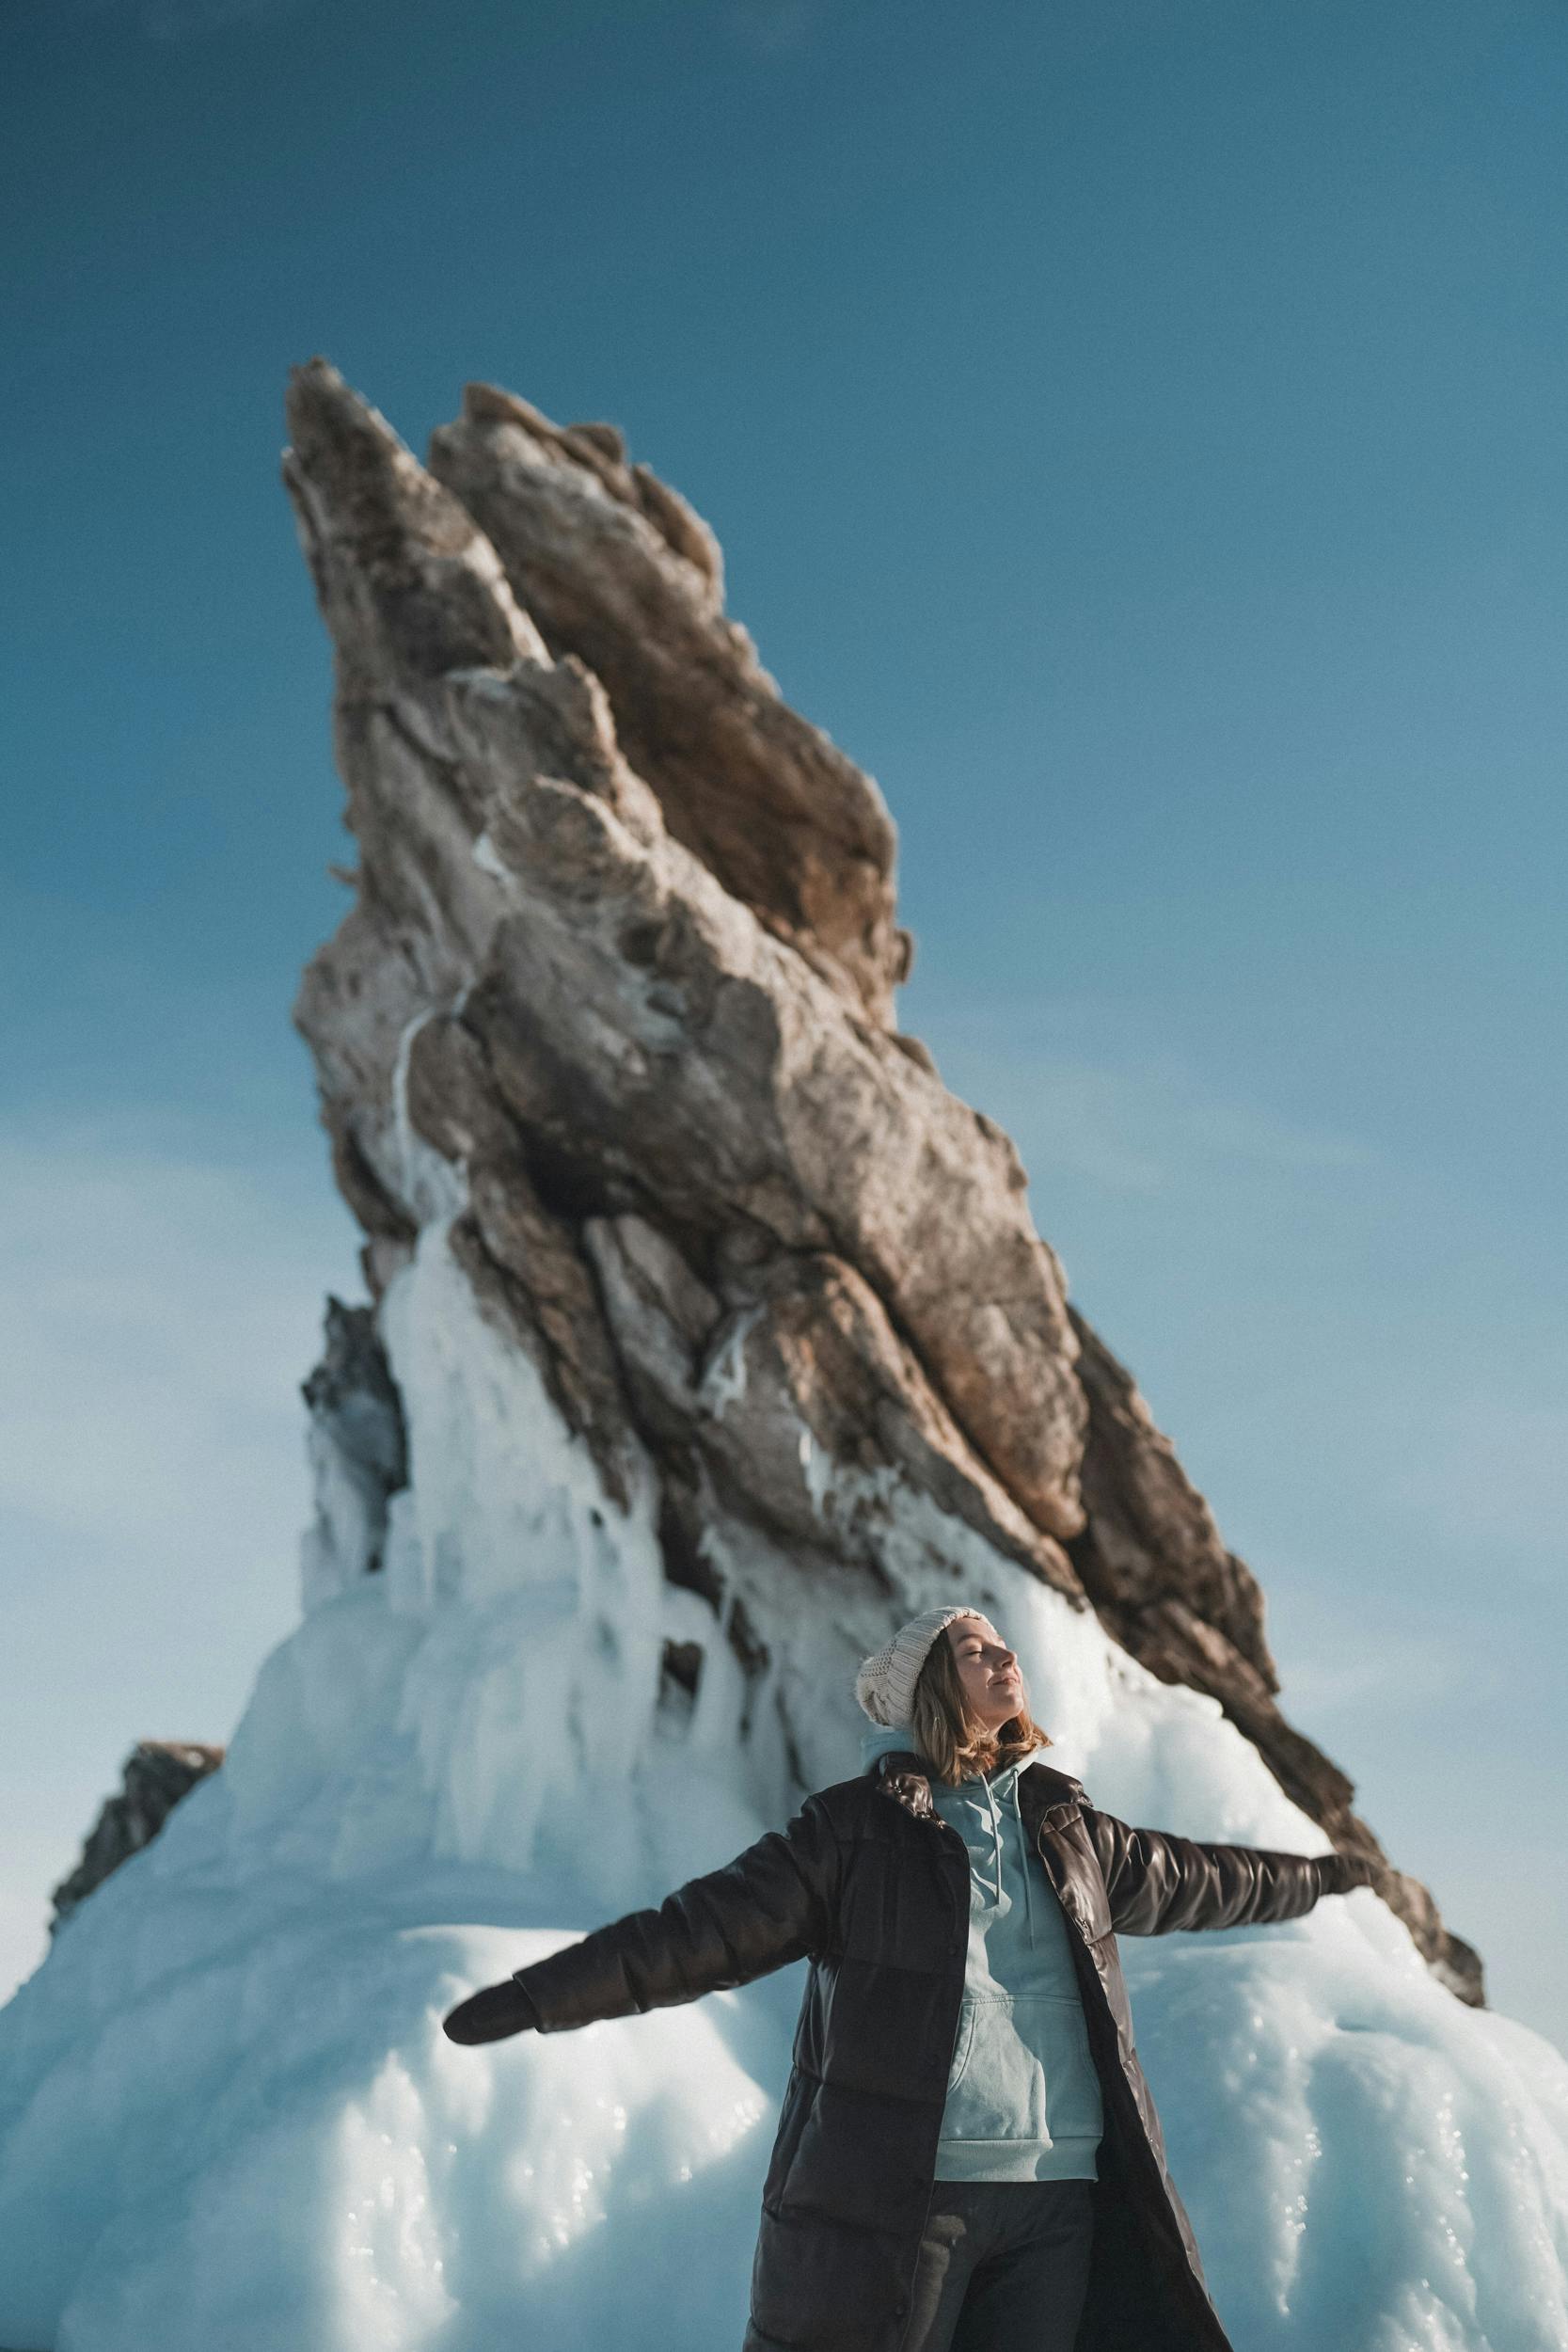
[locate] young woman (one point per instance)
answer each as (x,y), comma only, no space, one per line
(968,2158)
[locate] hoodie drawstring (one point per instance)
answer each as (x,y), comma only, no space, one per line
(1023,1842)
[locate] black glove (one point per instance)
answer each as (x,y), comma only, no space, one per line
(491,2014)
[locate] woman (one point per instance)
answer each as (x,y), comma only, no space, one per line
(967,2157)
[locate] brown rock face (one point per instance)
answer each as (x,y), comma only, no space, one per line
(615,567)
(614,1003)
(157,1773)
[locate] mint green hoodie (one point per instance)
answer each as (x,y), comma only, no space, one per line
(1023,2099)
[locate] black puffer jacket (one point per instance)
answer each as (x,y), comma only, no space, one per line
(872,1886)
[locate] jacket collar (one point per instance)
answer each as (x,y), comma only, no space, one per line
(1046,1797)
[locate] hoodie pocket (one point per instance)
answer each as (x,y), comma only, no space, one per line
(1023,2070)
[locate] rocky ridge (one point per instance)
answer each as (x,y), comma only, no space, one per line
(615,999)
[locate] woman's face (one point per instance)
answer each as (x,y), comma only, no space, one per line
(988,1669)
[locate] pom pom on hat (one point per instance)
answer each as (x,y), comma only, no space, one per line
(885,1683)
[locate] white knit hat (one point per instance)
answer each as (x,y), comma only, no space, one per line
(885,1683)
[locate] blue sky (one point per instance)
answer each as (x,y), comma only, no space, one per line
(1134,433)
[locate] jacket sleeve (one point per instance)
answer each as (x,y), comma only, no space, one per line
(1156,1882)
(772,1905)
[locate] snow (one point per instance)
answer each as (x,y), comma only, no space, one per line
(229,2116)
(432,1186)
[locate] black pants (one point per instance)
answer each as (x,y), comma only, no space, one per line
(1003,2266)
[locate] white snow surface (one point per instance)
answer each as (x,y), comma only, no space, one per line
(229,2121)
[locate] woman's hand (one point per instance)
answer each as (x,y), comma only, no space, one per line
(491,2014)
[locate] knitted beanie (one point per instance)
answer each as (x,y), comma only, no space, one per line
(885,1683)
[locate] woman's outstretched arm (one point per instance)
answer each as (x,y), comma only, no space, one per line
(1157,1881)
(772,1905)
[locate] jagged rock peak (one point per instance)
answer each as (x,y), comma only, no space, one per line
(526,534)
(424,591)
(543,984)
(614,565)
(603,449)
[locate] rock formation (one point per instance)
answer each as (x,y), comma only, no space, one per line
(616,1000)
(156,1774)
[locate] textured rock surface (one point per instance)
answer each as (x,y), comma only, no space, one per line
(615,567)
(615,1000)
(157,1773)
(358,1447)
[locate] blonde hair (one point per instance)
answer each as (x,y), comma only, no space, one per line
(947,1733)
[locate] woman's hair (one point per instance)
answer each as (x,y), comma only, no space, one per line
(947,1733)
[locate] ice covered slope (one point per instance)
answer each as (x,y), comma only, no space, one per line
(707,1337)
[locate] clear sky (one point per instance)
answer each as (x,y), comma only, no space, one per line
(1135,434)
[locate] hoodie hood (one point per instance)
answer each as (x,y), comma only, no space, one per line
(976,1809)
(884,1739)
